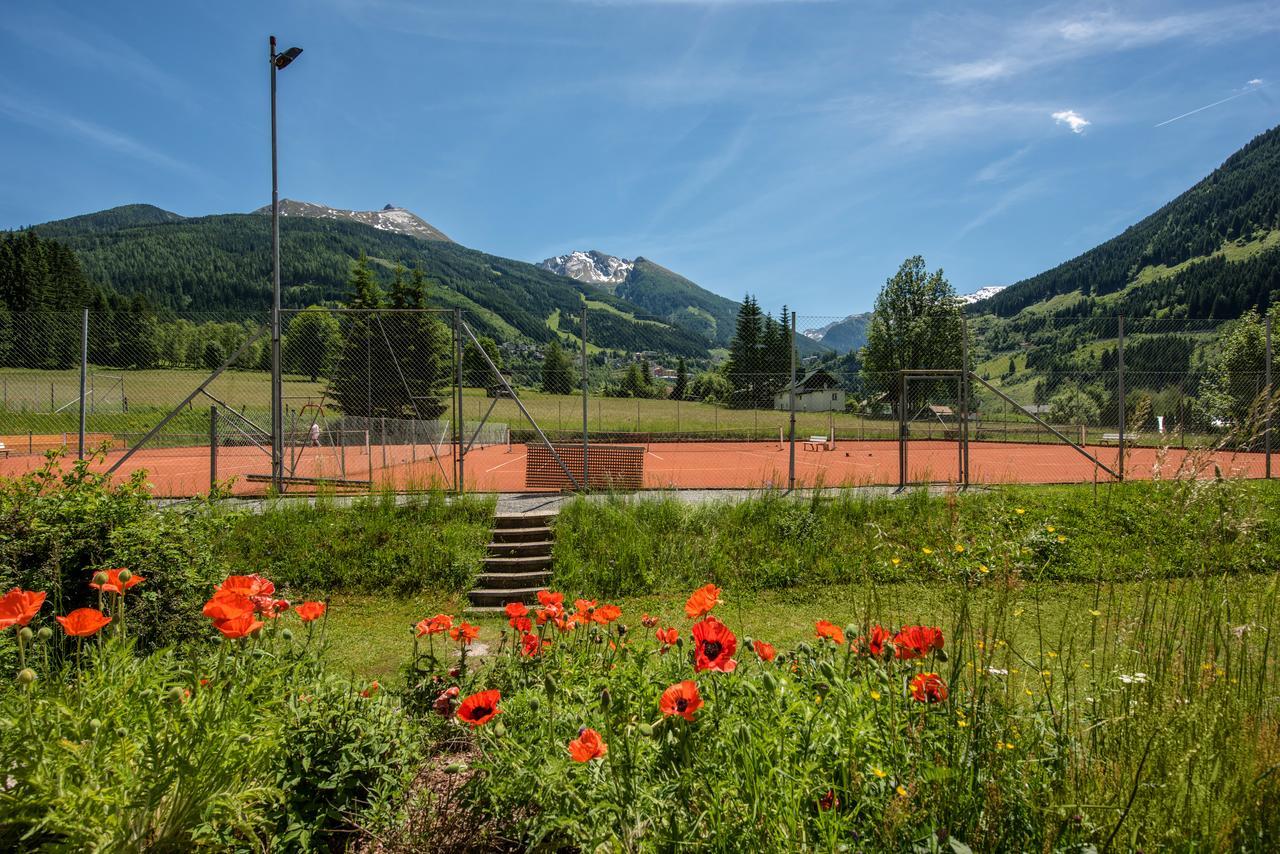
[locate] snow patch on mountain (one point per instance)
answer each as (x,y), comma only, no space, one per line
(390,218)
(592,267)
(981,294)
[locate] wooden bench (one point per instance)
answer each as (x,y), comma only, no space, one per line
(608,467)
(819,443)
(1114,438)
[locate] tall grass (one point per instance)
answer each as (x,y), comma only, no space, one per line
(626,546)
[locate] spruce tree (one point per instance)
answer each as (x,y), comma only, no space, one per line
(681,387)
(744,369)
(557,378)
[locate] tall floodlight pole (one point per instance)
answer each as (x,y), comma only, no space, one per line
(278,61)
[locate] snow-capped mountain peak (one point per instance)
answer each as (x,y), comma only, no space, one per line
(981,294)
(390,218)
(593,267)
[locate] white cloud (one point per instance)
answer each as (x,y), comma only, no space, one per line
(1041,40)
(1071,119)
(1257,81)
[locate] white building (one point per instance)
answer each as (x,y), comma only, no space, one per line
(817,392)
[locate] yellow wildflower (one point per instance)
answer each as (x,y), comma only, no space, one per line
(879,774)
(1019,511)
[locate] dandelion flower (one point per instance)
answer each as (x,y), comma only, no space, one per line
(879,773)
(1019,511)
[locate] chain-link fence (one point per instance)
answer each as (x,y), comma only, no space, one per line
(413,398)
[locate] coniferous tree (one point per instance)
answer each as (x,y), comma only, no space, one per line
(744,369)
(557,378)
(681,388)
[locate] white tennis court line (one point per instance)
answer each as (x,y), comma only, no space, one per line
(655,456)
(507,463)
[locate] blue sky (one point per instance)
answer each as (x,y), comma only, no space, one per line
(795,150)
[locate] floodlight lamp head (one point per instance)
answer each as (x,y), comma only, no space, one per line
(283,59)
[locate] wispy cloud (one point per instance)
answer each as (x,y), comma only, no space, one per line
(999,170)
(1249,88)
(1043,40)
(58,123)
(1006,200)
(1071,119)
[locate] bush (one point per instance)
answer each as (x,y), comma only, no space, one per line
(63,525)
(251,746)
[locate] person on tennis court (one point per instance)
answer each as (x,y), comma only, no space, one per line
(315,435)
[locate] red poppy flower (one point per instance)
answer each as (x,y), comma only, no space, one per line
(547,599)
(830,631)
(587,746)
(681,699)
(443,704)
(83,622)
(18,606)
(226,605)
(701,601)
(928,688)
(310,611)
(371,690)
(873,644)
(464,633)
(113,583)
(480,708)
(515,610)
(917,641)
(272,607)
(714,646)
(667,637)
(238,626)
(523,625)
(606,614)
(532,645)
(248,585)
(648,622)
(764,650)
(828,801)
(434,625)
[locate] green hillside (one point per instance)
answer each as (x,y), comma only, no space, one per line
(221,265)
(1214,251)
(662,293)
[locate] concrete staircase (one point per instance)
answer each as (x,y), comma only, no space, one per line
(518,564)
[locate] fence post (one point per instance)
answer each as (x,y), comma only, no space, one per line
(213,447)
(791,470)
(964,400)
(457,356)
(586,403)
(1271,402)
(84,376)
(1120,390)
(902,430)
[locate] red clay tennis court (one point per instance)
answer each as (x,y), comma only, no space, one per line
(185,471)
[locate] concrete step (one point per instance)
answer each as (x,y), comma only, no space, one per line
(524,520)
(508,580)
(521,535)
(517,564)
(538,548)
(500,597)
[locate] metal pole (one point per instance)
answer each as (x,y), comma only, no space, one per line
(277,395)
(964,400)
(791,471)
(1120,391)
(902,430)
(84,374)
(1270,404)
(213,447)
(457,325)
(586,471)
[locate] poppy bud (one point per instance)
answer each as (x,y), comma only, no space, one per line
(828,672)
(534,704)
(851,630)
(25,634)
(549,684)
(455,768)
(124,576)
(95,724)
(499,729)
(287,634)
(646,729)
(26,676)
(622,630)
(100,578)
(770,682)
(45,633)
(246,739)
(605,698)
(174,695)
(121,732)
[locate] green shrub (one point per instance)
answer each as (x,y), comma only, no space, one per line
(248,747)
(58,526)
